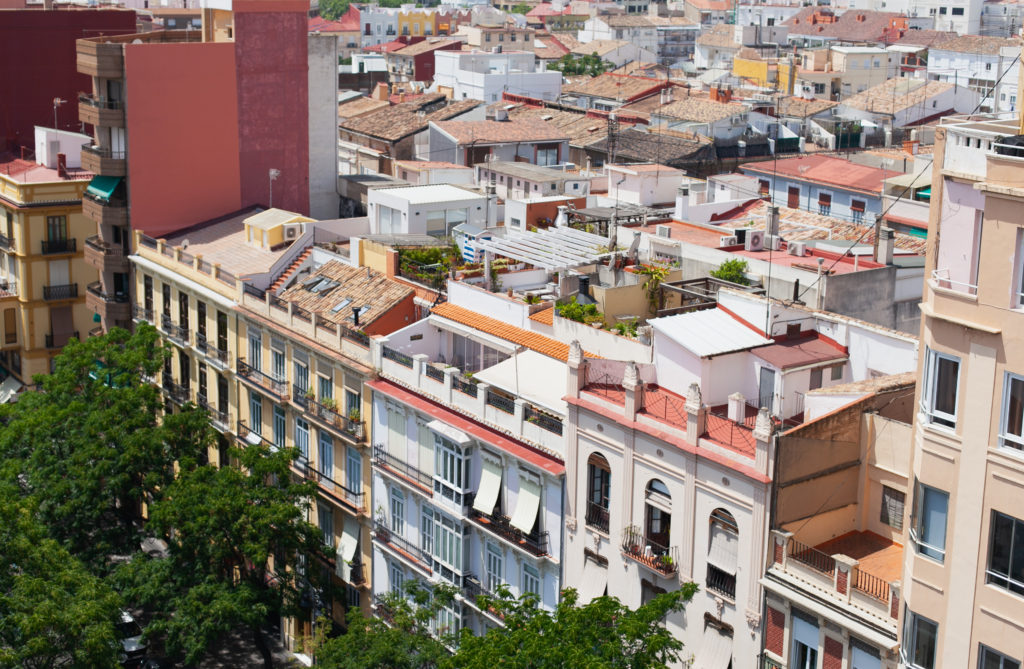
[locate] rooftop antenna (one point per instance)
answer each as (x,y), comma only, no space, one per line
(57,102)
(272,174)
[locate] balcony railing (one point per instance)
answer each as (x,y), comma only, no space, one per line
(252,437)
(597,516)
(352,428)
(942,280)
(216,416)
(304,468)
(174,331)
(59,341)
(550,423)
(500,402)
(107,249)
(812,557)
(383,533)
(871,585)
(721,582)
(299,397)
(501,526)
(207,349)
(143,314)
(51,246)
(102,152)
(648,552)
(5,242)
(99,103)
(97,289)
(176,391)
(382,458)
(279,388)
(464,386)
(66,291)
(397,356)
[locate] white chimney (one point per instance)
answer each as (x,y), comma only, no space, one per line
(886,245)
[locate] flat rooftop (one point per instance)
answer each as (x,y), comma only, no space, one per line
(433,194)
(800,351)
(31,172)
(222,242)
(876,555)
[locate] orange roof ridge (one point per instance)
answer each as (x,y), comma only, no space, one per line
(531,340)
(544,316)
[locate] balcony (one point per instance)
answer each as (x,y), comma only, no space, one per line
(941,280)
(402,470)
(175,391)
(110,307)
(113,212)
(261,381)
(400,545)
(328,486)
(721,582)
(220,420)
(217,356)
(51,247)
(356,574)
(98,111)
(54,341)
(99,160)
(100,59)
(6,243)
(66,291)
(597,517)
(105,257)
(535,543)
(140,313)
(176,333)
(324,414)
(651,554)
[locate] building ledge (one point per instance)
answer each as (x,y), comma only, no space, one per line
(927,310)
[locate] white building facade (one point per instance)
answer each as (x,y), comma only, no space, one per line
(485,76)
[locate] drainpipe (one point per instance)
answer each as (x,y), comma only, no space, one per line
(820,285)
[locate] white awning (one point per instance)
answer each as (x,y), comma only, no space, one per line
(8,389)
(490,486)
(458,436)
(252,437)
(715,650)
(525,516)
(347,544)
(722,553)
(595,581)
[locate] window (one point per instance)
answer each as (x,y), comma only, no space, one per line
(991,659)
(56,228)
(427,530)
(658,517)
(222,331)
(397,512)
(495,567)
(1012,425)
(920,639)
(819,89)
(531,580)
(857,210)
(815,381)
(166,294)
(396,577)
(805,641)
(202,392)
(892,507)
(824,203)
(723,540)
(255,351)
(255,412)
(941,380)
(277,364)
(929,529)
(280,426)
(302,437)
(958,11)
(301,380)
(10,326)
(201,318)
(147,295)
(837,373)
(988,66)
(450,469)
(942,11)
(183,310)
(326,517)
(353,471)
(599,483)
(325,461)
(1006,553)
(446,541)
(325,387)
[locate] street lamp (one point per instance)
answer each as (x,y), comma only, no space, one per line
(57,102)
(273,174)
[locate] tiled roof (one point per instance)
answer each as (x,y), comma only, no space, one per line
(358,107)
(898,94)
(566,39)
(722,36)
(582,130)
(359,286)
(876,385)
(978,44)
(426,46)
(429,165)
(386,47)
(924,38)
(547,47)
(659,146)
(627,21)
(796,107)
(402,120)
(544,9)
(601,47)
(824,169)
(492,326)
(491,132)
(663,21)
(855,25)
(800,351)
(544,316)
(613,87)
(711,5)
(700,110)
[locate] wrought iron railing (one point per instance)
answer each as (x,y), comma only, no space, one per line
(204,346)
(500,402)
(216,416)
(597,516)
(871,585)
(721,581)
(66,291)
(173,330)
(382,458)
(51,246)
(464,385)
(501,526)
(383,533)
(544,420)
(647,551)
(96,288)
(304,468)
(300,398)
(253,375)
(59,341)
(397,356)
(360,338)
(435,373)
(811,557)
(142,313)
(106,248)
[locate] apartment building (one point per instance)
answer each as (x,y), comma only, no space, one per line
(467,461)
(961,577)
(487,76)
(986,65)
(43,274)
(276,346)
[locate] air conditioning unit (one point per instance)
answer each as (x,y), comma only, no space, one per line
(727,240)
(291,232)
(796,248)
(663,231)
(774,242)
(754,241)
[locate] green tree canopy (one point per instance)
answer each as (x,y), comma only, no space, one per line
(332,9)
(53,612)
(239,550)
(89,445)
(521,8)
(734,270)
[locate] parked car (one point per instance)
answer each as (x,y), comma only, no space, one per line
(133,648)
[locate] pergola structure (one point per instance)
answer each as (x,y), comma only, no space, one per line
(554,249)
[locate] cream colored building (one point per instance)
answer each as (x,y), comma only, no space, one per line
(43,275)
(963,573)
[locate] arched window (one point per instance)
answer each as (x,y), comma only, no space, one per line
(599,483)
(658,517)
(723,540)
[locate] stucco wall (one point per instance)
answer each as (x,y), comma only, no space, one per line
(323,126)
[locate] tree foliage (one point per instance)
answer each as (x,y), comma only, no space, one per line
(53,612)
(332,9)
(521,8)
(571,65)
(89,446)
(734,270)
(601,634)
(239,550)
(581,313)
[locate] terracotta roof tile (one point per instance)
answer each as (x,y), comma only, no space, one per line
(359,286)
(601,47)
(544,316)
(797,107)
(492,326)
(855,25)
(491,132)
(897,94)
(613,87)
(721,35)
(978,44)
(700,110)
(403,119)
(358,107)
(426,46)
(825,169)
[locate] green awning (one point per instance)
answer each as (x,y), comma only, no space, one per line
(103,187)
(925,193)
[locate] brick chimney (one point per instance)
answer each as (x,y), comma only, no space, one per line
(380,92)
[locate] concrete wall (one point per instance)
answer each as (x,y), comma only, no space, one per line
(182,121)
(323,126)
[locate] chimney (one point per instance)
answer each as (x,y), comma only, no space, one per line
(737,407)
(772,221)
(380,92)
(62,165)
(886,245)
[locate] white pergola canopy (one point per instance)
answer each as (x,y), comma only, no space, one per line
(553,249)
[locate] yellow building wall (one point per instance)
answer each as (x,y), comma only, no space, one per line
(416,23)
(755,71)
